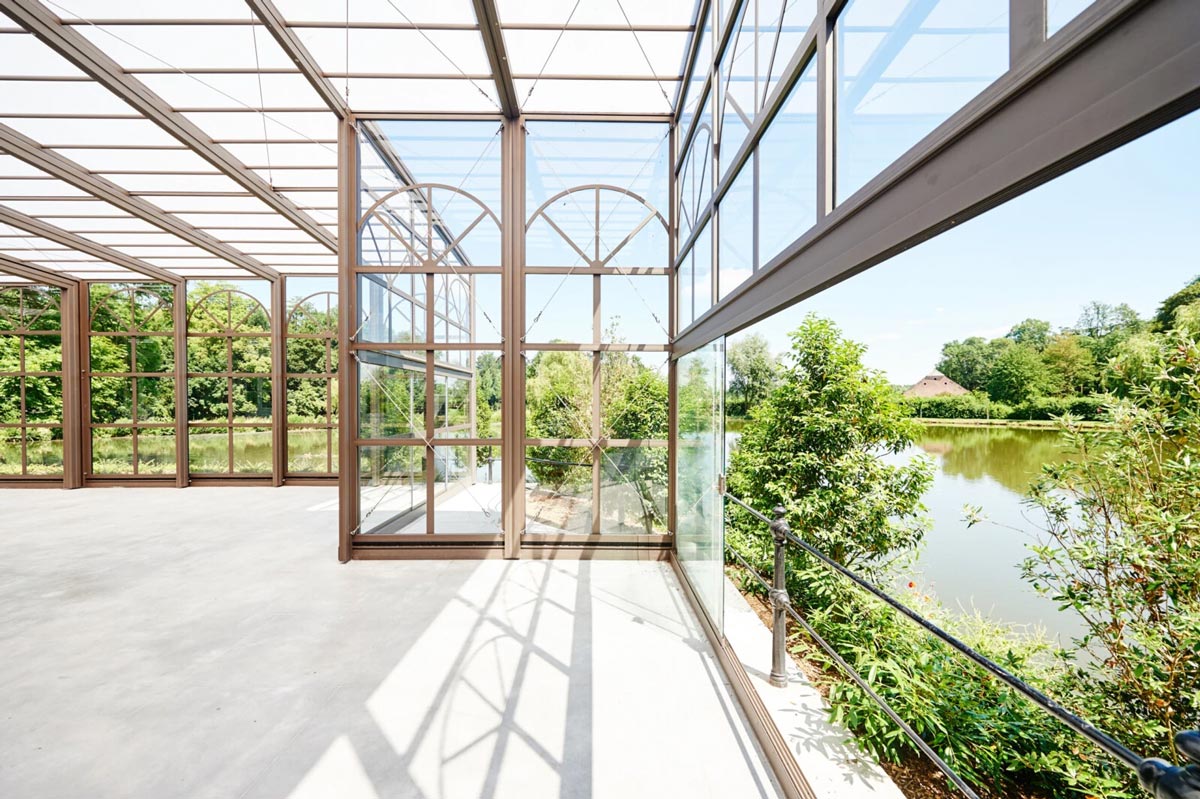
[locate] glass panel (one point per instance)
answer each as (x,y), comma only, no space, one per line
(308,450)
(251,398)
(391,308)
(633,309)
(901,74)
(702,270)
(155,399)
(558,490)
(738,101)
(208,450)
(736,232)
(633,490)
(391,489)
(633,395)
(156,451)
(111,353)
(10,450)
(558,308)
(467,490)
(391,395)
(252,450)
(699,522)
(112,451)
(787,164)
(43,399)
(683,292)
(558,395)
(44,451)
(154,354)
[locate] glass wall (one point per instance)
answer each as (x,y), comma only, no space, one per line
(229,367)
(31,409)
(429,328)
(902,69)
(700,448)
(311,376)
(131,379)
(596,327)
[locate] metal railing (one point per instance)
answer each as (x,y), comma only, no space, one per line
(1161,779)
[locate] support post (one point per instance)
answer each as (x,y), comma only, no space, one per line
(72,308)
(180,318)
(512,458)
(347,317)
(779,601)
(278,387)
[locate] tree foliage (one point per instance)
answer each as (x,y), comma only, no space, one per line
(751,373)
(814,446)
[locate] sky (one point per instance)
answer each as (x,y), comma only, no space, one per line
(1122,228)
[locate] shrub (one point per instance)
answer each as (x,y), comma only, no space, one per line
(963,406)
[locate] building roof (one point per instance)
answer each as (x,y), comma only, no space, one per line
(935,384)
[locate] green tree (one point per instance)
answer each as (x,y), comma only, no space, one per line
(1164,318)
(969,362)
(814,446)
(1072,366)
(1031,332)
(1122,548)
(1019,374)
(558,404)
(751,373)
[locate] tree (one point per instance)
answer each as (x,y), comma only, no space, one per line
(1072,365)
(969,362)
(1031,332)
(558,404)
(1121,548)
(1019,374)
(814,446)
(1164,319)
(751,371)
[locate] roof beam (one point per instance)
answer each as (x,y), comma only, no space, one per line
(493,43)
(76,242)
(274,21)
(37,274)
(77,49)
(20,146)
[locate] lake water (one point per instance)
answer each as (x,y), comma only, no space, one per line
(979,568)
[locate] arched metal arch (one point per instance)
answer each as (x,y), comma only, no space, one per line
(596,189)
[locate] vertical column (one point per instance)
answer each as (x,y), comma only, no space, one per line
(672,324)
(597,363)
(1026,29)
(431,407)
(278,388)
(826,106)
(347,317)
(512,422)
(179,318)
(71,311)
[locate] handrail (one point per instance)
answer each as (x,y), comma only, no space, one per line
(1160,778)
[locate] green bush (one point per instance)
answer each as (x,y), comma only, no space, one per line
(963,406)
(1049,408)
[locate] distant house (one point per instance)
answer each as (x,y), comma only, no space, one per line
(935,384)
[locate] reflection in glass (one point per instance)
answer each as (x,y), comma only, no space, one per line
(787,177)
(699,520)
(735,223)
(903,68)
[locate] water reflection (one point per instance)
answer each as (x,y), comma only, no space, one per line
(980,567)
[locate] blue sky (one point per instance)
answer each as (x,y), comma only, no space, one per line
(1123,228)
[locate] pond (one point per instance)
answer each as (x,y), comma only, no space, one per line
(979,567)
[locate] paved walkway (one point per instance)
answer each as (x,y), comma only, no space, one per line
(206,643)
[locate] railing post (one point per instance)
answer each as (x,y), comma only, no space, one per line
(779,601)
(1165,781)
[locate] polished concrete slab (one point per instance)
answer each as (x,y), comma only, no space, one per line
(206,643)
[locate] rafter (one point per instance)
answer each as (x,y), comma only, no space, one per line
(28,271)
(20,146)
(77,49)
(76,242)
(274,22)
(493,43)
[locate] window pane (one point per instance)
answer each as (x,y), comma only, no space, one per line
(901,74)
(736,232)
(391,489)
(787,177)
(391,395)
(633,490)
(558,490)
(558,395)
(112,451)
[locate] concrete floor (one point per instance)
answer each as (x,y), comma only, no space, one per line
(206,643)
